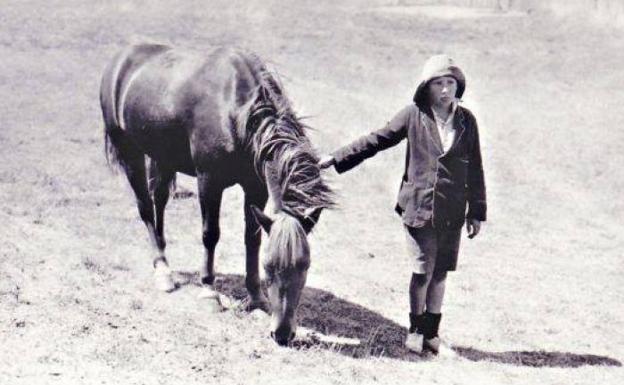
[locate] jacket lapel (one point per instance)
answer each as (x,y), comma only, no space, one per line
(460,128)
(432,129)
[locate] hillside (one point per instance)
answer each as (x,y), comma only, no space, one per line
(537,297)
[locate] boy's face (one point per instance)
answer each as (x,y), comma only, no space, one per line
(442,91)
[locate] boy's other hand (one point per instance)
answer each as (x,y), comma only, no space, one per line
(473,226)
(326,161)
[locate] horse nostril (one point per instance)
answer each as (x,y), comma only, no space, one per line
(292,336)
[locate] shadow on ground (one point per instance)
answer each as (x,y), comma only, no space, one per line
(322,311)
(537,359)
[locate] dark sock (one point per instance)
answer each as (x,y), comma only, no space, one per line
(431,324)
(417,323)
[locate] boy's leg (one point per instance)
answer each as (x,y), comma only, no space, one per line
(435,292)
(422,249)
(446,260)
(417,295)
(418,289)
(433,315)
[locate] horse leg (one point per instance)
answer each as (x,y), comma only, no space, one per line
(159,183)
(133,163)
(210,194)
(257,299)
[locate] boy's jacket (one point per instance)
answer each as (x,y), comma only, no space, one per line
(436,186)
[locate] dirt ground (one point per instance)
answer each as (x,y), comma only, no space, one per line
(537,297)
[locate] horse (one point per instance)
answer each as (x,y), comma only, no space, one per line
(222,117)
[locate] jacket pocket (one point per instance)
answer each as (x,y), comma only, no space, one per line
(407,193)
(411,197)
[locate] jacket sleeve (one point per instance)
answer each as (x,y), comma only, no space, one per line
(367,146)
(477,206)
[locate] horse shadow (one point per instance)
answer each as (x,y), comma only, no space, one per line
(325,313)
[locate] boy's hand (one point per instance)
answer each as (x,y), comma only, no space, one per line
(326,161)
(473,226)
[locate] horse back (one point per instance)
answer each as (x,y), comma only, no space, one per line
(178,106)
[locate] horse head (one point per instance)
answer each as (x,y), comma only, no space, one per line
(286,161)
(286,260)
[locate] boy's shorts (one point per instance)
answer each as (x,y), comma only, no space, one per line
(432,249)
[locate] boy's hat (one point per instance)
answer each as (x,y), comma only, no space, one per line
(435,67)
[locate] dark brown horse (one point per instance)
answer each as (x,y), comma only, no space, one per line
(223,117)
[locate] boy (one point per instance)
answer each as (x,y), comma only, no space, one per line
(443,176)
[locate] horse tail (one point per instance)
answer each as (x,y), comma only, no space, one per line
(109,91)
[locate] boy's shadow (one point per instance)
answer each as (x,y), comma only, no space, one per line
(325,313)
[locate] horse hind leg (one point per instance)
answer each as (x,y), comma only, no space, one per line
(132,161)
(159,185)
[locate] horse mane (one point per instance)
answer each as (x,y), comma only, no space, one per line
(277,139)
(288,245)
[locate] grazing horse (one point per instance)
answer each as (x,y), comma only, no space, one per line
(222,117)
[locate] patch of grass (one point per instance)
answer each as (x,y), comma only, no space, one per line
(94,266)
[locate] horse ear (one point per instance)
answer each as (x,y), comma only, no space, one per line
(310,219)
(263,220)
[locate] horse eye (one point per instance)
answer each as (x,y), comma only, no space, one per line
(269,280)
(269,275)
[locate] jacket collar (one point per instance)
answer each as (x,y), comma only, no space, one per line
(451,115)
(458,124)
(428,121)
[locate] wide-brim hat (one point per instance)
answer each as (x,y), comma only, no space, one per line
(435,67)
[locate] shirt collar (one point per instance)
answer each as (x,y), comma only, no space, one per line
(450,116)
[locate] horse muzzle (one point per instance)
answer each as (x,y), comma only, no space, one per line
(283,336)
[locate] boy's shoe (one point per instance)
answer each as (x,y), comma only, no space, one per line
(432,343)
(438,347)
(414,342)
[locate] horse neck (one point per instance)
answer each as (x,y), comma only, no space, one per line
(278,143)
(282,153)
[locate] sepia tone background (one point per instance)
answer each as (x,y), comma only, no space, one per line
(538,294)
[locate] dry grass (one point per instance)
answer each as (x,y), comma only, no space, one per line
(537,298)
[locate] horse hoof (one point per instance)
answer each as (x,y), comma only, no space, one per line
(227,302)
(212,305)
(259,315)
(250,305)
(208,292)
(210,299)
(163,281)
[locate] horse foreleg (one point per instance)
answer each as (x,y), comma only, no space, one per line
(210,194)
(257,299)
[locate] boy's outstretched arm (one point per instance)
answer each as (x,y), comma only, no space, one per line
(349,156)
(326,161)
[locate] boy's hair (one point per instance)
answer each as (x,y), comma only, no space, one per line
(435,67)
